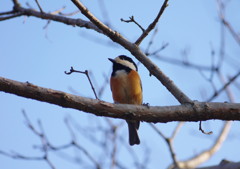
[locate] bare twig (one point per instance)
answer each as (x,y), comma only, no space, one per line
(81,148)
(87,74)
(131,19)
(114,143)
(39,6)
(69,14)
(44,142)
(153,24)
(90,157)
(164,45)
(183,63)
(232,31)
(203,131)
(213,69)
(224,86)
(221,8)
(169,141)
(16,3)
(31,127)
(47,24)
(227,90)
(59,11)
(104,84)
(46,29)
(151,41)
(176,130)
(90,135)
(131,152)
(20,156)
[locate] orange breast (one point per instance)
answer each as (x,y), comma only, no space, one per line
(126,88)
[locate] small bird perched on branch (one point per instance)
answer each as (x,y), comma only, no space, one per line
(126,88)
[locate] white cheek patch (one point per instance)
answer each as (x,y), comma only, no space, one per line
(129,64)
(126,63)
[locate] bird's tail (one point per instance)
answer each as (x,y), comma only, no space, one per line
(133,135)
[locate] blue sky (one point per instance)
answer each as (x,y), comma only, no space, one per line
(40,56)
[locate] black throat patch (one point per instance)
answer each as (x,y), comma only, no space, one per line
(117,66)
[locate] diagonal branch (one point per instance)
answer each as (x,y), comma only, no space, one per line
(221,14)
(153,24)
(135,51)
(106,30)
(187,112)
(230,81)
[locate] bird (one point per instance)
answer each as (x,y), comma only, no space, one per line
(126,87)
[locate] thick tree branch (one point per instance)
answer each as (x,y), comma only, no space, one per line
(135,50)
(21,11)
(224,164)
(188,112)
(13,15)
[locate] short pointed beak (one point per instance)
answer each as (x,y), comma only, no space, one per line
(112,60)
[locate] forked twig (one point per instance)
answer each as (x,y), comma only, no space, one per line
(153,24)
(83,72)
(131,19)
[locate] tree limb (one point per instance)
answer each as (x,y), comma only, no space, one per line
(21,11)
(224,164)
(187,112)
(9,15)
(135,51)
